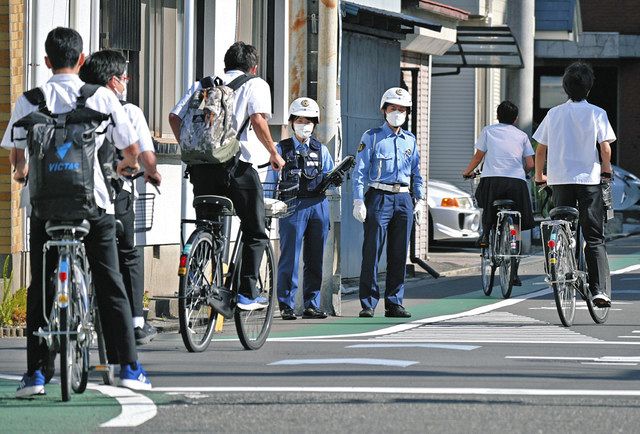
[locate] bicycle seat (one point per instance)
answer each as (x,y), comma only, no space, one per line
(504,203)
(57,228)
(211,207)
(568,213)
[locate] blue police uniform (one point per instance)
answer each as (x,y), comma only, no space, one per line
(388,163)
(305,163)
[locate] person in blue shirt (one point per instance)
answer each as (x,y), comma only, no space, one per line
(307,161)
(388,163)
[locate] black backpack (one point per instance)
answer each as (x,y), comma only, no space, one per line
(62,152)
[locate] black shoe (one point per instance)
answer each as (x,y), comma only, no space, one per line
(366,313)
(517,281)
(396,311)
(145,334)
(483,241)
(313,313)
(287,313)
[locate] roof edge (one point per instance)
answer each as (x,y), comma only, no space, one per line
(443,9)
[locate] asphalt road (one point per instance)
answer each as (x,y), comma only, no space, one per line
(464,363)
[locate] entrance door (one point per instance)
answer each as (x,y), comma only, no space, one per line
(370,66)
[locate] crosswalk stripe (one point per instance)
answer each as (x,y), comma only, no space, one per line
(493,326)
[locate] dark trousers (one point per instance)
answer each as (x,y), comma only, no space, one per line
(129,256)
(591,208)
(389,218)
(115,313)
(239,182)
(309,223)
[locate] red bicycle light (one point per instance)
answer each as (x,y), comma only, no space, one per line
(62,276)
(551,244)
(513,232)
(183,261)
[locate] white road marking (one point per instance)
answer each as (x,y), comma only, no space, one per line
(605,359)
(136,408)
(629,337)
(190,395)
(408,390)
(494,327)
(626,269)
(609,363)
(348,361)
(440,346)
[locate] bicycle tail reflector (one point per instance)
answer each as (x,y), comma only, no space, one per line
(182,269)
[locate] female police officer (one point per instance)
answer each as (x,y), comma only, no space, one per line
(306,163)
(388,162)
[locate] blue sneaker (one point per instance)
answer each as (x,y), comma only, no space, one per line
(134,379)
(31,385)
(246,303)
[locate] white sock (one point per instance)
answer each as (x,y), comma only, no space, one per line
(138,322)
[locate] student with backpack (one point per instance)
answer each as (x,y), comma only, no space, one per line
(61,155)
(219,154)
(108,68)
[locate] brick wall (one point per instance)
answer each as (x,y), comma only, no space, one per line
(11,86)
(629,115)
(414,60)
(622,16)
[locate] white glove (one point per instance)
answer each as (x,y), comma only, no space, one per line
(359,210)
(418,211)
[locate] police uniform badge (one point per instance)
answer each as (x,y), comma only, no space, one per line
(408,152)
(304,103)
(399,91)
(361,147)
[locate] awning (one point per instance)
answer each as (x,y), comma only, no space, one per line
(482,47)
(385,22)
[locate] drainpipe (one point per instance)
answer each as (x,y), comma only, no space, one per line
(327,99)
(94,43)
(188,53)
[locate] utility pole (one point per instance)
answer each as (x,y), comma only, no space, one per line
(326,132)
(521,16)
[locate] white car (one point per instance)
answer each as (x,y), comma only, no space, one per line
(452,213)
(625,189)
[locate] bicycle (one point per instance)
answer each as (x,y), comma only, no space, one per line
(503,249)
(74,317)
(565,264)
(209,285)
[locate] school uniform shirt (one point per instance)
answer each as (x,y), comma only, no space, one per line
(145,142)
(571,131)
(300,147)
(505,147)
(388,158)
(61,93)
(252,97)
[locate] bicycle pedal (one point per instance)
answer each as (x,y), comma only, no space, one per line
(100,368)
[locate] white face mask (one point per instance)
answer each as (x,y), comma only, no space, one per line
(303,130)
(396,118)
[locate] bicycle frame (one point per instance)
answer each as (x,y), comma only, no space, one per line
(515,234)
(549,232)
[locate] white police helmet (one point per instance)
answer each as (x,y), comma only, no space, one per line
(397,96)
(305,107)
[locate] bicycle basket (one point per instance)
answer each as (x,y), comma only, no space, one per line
(280,198)
(144,206)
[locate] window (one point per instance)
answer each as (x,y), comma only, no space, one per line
(551,91)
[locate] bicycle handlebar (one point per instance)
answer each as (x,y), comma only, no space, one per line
(472,175)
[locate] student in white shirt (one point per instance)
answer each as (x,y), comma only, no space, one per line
(508,156)
(108,68)
(568,140)
(237,179)
(64,57)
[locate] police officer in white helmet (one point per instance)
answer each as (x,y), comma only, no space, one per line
(387,170)
(307,161)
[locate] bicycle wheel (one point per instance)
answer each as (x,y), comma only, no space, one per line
(487,269)
(203,270)
(108,375)
(506,262)
(66,352)
(559,269)
(253,326)
(598,314)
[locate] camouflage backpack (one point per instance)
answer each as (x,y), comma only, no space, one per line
(207,135)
